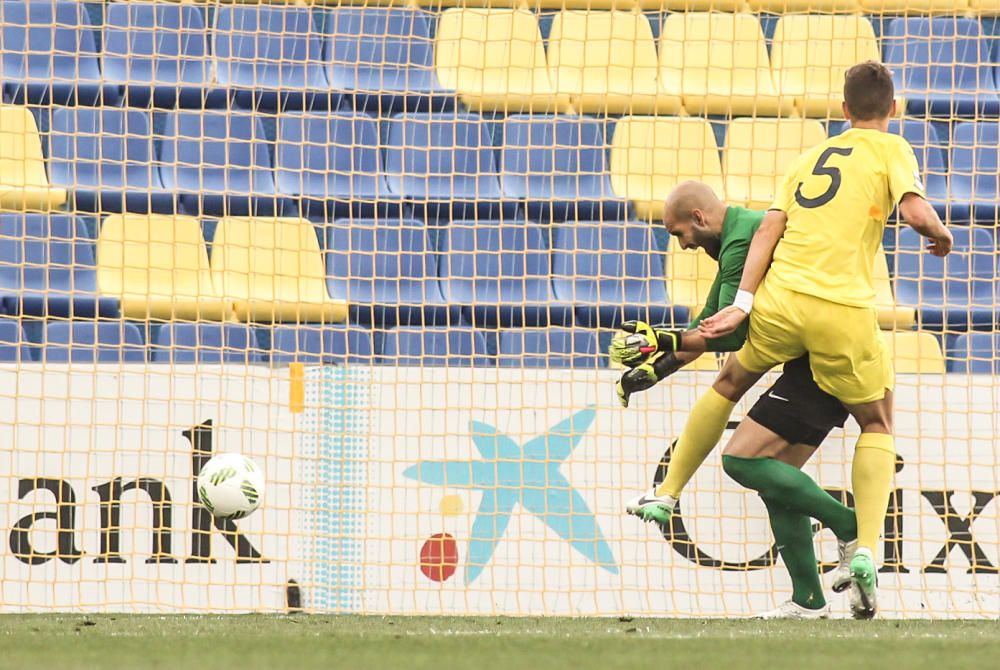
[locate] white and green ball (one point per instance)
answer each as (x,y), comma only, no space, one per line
(230,486)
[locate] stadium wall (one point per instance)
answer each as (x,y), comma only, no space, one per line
(499,493)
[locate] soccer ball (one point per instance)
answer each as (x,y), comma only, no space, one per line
(230,486)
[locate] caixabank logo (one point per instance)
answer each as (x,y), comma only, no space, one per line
(66,507)
(508,475)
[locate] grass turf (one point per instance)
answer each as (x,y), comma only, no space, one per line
(247,642)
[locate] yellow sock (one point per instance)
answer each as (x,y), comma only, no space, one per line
(874,465)
(704,427)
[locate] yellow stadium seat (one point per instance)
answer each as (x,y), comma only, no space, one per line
(24,185)
(689,276)
(914,352)
(793,6)
(894,7)
(573,4)
(810,55)
(759,151)
(272,269)
(985,7)
(158,265)
(495,59)
(650,155)
(606,62)
(719,65)
(690,5)
(890,315)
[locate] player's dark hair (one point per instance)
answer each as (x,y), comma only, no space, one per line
(868,91)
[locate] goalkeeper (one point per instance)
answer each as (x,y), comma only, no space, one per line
(786,424)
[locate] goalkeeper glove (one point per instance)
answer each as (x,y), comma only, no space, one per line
(642,341)
(647,375)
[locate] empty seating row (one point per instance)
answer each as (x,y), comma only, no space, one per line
(207,343)
(333,164)
(493,59)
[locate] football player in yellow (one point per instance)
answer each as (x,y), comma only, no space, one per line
(816,246)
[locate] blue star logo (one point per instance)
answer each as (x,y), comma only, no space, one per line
(510,474)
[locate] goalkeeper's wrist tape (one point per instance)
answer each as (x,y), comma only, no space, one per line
(743,301)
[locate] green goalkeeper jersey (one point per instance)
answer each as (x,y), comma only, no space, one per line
(738,229)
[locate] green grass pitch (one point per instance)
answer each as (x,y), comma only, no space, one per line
(247,642)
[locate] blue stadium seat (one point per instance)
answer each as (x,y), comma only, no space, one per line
(941,66)
(13,343)
(47,268)
(48,55)
(220,164)
(929,150)
(443,166)
(317,344)
(93,342)
(975,353)
(974,180)
(953,293)
(206,343)
(499,273)
(104,157)
(558,166)
(158,53)
(386,272)
(271,57)
(610,272)
(384,59)
(331,161)
(549,348)
(419,346)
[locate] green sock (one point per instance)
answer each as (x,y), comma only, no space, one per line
(793,533)
(795,489)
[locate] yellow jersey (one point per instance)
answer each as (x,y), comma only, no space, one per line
(838,196)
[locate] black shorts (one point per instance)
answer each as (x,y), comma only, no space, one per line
(796,408)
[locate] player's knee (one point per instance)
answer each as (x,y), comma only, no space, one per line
(740,469)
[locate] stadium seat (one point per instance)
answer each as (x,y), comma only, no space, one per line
(690,274)
(799,6)
(495,59)
(48,55)
(157,266)
(899,7)
(649,156)
(610,273)
(557,166)
(320,344)
(606,63)
(206,343)
(384,60)
(157,53)
(331,162)
(954,293)
(219,163)
(759,151)
(426,347)
(975,353)
(811,53)
(718,64)
(271,57)
(499,273)
(914,353)
(47,268)
(974,181)
(929,151)
(93,342)
(13,343)
(386,273)
(272,269)
(985,8)
(890,315)
(941,67)
(23,182)
(549,348)
(443,166)
(104,157)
